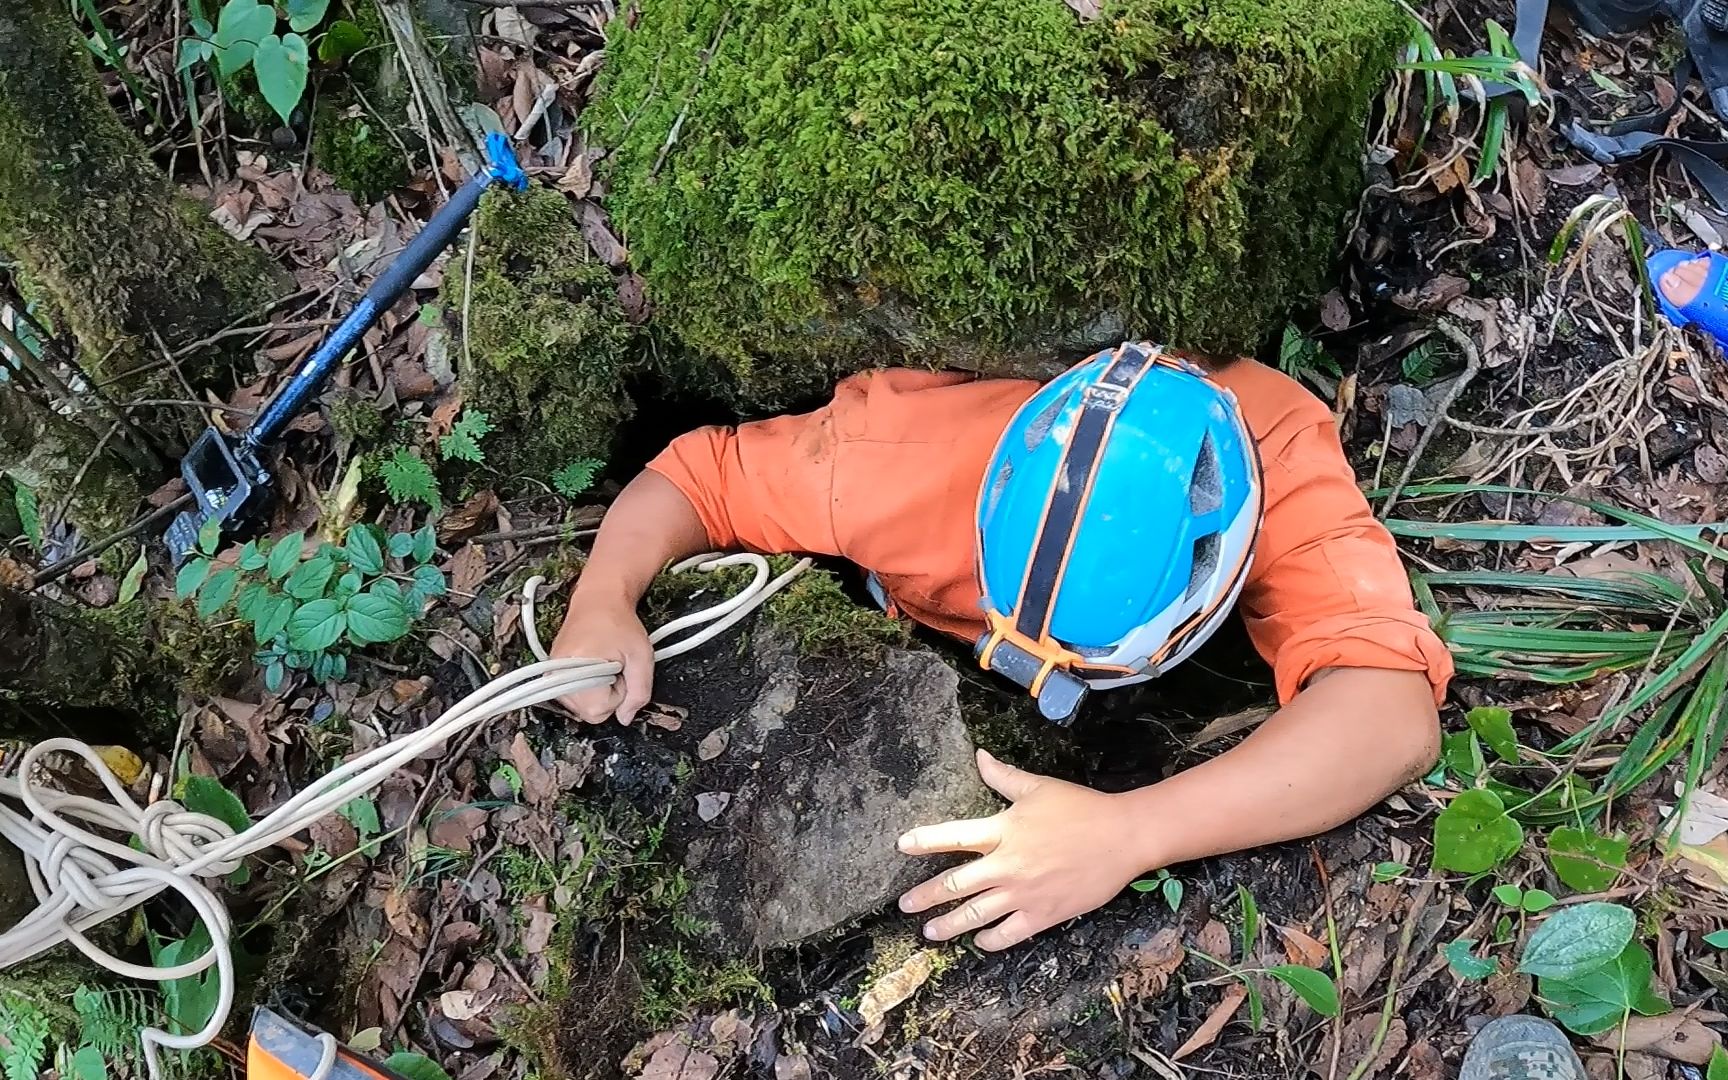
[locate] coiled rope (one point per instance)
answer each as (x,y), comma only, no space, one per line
(82,877)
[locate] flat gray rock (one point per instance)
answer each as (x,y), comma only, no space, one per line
(814,767)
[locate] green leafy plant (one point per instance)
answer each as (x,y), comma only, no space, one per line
(29,512)
(1526,901)
(307,613)
(577,477)
(246,35)
(1420,364)
(463,442)
(1717,939)
(1165,884)
(1442,71)
(407,478)
(1462,959)
(413,1066)
(1297,351)
(27,1031)
(1718,1067)
(1389,871)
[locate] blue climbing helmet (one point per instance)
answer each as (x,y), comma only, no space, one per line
(1116,524)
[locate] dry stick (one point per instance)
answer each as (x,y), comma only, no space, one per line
(1472,365)
(78,558)
(28,361)
(1337,959)
(46,374)
(444,914)
(1417,906)
(537,3)
(695,87)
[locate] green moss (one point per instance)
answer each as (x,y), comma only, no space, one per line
(362,159)
(827,622)
(551,349)
(677,982)
(855,176)
(356,418)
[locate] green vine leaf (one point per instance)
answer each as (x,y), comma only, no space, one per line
(281,64)
(1599,1000)
(1462,959)
(1474,833)
(29,512)
(1494,725)
(239,29)
(216,593)
(342,40)
(415,1067)
(1584,859)
(272,618)
(309,579)
(133,582)
(374,618)
(190,577)
(1576,940)
(303,15)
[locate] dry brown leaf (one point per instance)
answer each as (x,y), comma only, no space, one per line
(713,744)
(1144,970)
(1676,1036)
(1207,1033)
(455,827)
(443,418)
(537,933)
(792,1067)
(1229,724)
(1302,949)
(465,1004)
(578,179)
(1358,1039)
(467,569)
(467,519)
(1334,312)
(597,230)
(334,836)
(1213,940)
(537,786)
(664,717)
(891,991)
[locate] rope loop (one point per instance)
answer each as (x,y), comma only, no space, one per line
(82,878)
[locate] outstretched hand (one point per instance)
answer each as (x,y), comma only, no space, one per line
(1059,851)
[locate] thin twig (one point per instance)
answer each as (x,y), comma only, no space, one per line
(444,913)
(143,456)
(1337,960)
(89,551)
(695,86)
(1417,906)
(574,529)
(1472,365)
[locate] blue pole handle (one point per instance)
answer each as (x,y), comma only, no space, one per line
(438,234)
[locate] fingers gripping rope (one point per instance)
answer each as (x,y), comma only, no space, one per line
(82,875)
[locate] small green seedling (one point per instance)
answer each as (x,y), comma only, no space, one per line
(1163,883)
(1389,871)
(1528,901)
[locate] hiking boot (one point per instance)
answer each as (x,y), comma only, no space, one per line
(1521,1048)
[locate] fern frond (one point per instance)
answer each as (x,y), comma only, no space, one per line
(109,1019)
(407,478)
(24,1033)
(463,442)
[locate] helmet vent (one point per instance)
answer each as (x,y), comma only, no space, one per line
(1206,487)
(1205,563)
(1039,429)
(998,485)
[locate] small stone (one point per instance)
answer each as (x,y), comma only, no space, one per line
(711,804)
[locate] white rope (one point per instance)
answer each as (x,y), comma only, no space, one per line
(82,877)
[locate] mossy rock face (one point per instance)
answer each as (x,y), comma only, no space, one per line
(979,180)
(551,350)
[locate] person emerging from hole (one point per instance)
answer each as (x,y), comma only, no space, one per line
(1088,532)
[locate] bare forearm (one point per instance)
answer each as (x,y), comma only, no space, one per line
(1346,742)
(649,525)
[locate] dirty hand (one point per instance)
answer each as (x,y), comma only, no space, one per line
(607,631)
(1059,851)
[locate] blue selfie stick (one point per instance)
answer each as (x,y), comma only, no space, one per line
(227,479)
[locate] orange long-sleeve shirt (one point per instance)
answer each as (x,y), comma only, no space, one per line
(887,476)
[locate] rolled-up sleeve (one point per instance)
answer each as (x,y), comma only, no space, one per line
(764,486)
(1328,589)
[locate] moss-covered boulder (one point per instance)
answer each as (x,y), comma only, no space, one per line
(849,180)
(550,348)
